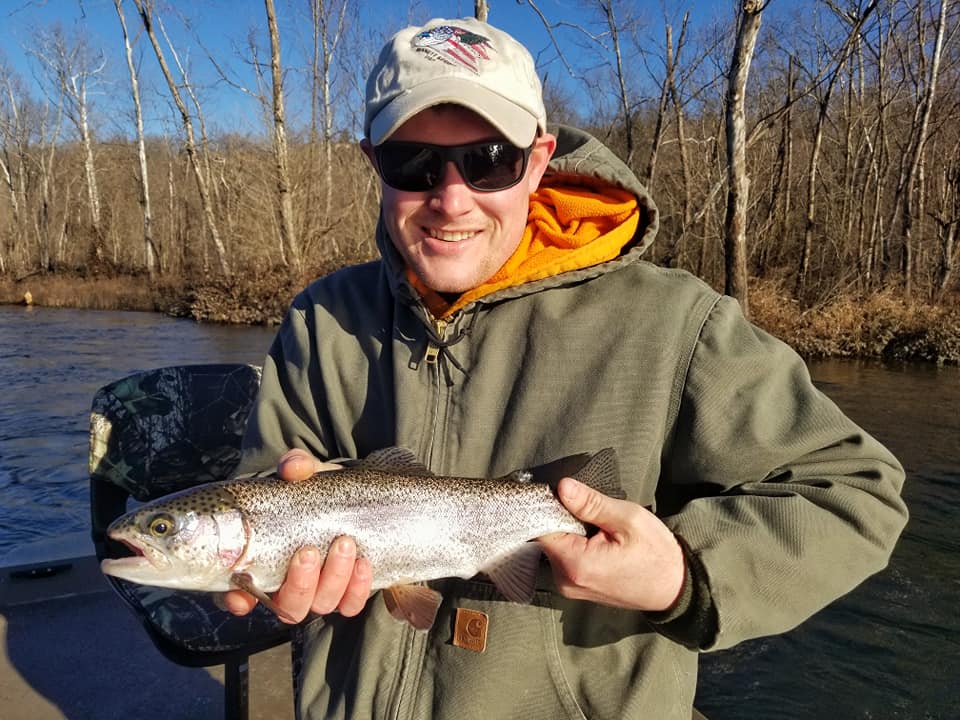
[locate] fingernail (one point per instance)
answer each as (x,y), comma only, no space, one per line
(571,489)
(309,558)
(344,546)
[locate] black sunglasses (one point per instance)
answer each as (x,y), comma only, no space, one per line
(418,167)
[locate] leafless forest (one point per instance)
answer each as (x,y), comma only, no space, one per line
(809,146)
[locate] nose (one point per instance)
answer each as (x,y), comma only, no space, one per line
(452,196)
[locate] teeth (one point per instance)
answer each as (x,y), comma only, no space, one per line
(449,236)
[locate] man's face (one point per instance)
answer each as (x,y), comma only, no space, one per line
(454,237)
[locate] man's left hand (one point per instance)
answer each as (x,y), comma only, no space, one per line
(633,561)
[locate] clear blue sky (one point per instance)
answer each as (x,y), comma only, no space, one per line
(223,27)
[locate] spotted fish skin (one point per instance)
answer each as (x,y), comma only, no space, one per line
(411,525)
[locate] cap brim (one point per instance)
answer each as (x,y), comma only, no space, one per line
(517,125)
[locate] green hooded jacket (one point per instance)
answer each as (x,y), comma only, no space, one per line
(782,504)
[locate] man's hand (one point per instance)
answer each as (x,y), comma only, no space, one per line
(633,561)
(340,581)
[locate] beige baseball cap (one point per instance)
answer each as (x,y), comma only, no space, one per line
(465,62)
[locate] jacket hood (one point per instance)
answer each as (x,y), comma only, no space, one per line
(580,160)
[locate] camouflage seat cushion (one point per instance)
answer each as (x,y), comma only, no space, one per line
(165,430)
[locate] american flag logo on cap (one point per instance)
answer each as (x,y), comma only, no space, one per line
(455,45)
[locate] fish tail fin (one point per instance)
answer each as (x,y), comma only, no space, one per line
(602,472)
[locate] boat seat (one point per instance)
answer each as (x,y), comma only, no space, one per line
(154,433)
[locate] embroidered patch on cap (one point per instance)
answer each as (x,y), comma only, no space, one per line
(455,46)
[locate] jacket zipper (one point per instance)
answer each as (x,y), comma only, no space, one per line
(432,358)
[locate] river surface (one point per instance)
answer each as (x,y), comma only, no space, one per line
(890,649)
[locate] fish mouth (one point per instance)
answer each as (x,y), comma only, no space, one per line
(143,556)
(114,566)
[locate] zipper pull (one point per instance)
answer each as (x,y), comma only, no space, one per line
(433,350)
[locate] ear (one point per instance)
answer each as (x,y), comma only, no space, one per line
(543,149)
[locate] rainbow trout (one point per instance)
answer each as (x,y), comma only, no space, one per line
(411,525)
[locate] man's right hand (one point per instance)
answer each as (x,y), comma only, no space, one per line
(318,582)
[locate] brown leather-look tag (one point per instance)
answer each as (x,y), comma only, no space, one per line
(470,630)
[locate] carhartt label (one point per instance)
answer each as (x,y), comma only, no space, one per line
(470,630)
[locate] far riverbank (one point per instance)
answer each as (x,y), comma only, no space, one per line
(882,326)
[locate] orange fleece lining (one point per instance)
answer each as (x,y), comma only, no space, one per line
(568,228)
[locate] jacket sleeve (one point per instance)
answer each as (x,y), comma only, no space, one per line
(790,504)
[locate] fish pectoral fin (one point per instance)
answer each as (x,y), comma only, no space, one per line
(515,573)
(244,581)
(413,604)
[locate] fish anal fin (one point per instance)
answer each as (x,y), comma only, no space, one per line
(395,459)
(245,581)
(413,604)
(515,573)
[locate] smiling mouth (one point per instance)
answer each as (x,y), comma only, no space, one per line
(450,236)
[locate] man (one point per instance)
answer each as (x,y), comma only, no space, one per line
(510,322)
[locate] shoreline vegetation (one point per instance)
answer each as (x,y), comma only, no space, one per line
(821,189)
(882,325)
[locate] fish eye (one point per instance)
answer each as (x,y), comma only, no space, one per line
(161,525)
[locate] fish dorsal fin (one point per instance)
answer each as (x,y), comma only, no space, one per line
(602,472)
(515,574)
(395,459)
(413,604)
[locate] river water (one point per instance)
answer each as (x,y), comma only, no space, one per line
(887,650)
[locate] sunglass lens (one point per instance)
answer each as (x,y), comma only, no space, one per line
(493,166)
(409,167)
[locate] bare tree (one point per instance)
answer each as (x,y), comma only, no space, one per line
(623,99)
(145,9)
(926,91)
(280,152)
(328,29)
(856,17)
(73,68)
(661,111)
(149,247)
(947,219)
(738,184)
(14,141)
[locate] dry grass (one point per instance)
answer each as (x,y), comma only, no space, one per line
(880,325)
(114,293)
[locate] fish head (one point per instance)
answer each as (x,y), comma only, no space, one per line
(191,540)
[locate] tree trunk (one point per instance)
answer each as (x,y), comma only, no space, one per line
(481,10)
(738,184)
(661,112)
(621,79)
(917,147)
(284,200)
(151,256)
(681,132)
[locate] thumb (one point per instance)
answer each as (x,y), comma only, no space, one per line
(298,464)
(592,506)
